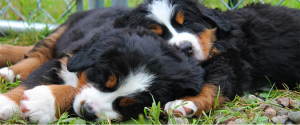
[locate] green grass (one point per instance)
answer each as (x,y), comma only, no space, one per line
(240,108)
(152,114)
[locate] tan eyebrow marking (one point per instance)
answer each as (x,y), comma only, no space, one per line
(156,29)
(112,81)
(180,17)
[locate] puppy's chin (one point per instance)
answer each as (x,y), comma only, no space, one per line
(95,105)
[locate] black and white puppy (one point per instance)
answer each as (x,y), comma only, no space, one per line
(113,76)
(183,23)
(238,48)
(126,69)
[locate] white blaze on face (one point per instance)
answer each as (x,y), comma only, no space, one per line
(162,12)
(187,37)
(137,81)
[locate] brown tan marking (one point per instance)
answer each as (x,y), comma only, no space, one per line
(16,94)
(156,29)
(127,102)
(64,60)
(82,81)
(207,39)
(112,81)
(213,52)
(13,54)
(180,17)
(41,53)
(82,102)
(205,101)
(64,96)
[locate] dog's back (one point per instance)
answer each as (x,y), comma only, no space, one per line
(264,43)
(83,24)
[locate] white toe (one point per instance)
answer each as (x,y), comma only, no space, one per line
(7,73)
(7,107)
(179,105)
(40,105)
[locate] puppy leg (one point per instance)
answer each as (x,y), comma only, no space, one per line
(190,106)
(44,104)
(12,54)
(42,52)
(10,102)
(46,74)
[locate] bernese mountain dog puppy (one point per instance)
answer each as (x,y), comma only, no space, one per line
(124,70)
(114,75)
(239,49)
(101,72)
(184,23)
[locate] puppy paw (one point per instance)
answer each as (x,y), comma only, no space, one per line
(7,107)
(186,109)
(37,105)
(8,74)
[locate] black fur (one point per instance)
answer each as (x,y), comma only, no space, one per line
(46,74)
(98,49)
(257,43)
(121,51)
(263,43)
(82,26)
(196,20)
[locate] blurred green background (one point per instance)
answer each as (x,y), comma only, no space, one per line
(56,8)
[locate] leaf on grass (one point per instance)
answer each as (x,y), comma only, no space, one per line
(21,121)
(69,120)
(224,119)
(264,95)
(263,119)
(80,121)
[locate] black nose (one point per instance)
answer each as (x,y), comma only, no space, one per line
(87,112)
(186,48)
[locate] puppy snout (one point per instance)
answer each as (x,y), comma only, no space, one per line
(88,112)
(186,48)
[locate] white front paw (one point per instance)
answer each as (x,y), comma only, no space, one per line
(37,105)
(180,108)
(7,107)
(7,73)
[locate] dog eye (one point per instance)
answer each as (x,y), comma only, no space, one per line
(156,29)
(91,72)
(186,23)
(180,18)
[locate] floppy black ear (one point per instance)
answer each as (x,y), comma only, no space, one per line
(81,60)
(217,17)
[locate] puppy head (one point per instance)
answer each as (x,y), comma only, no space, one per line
(121,70)
(184,23)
